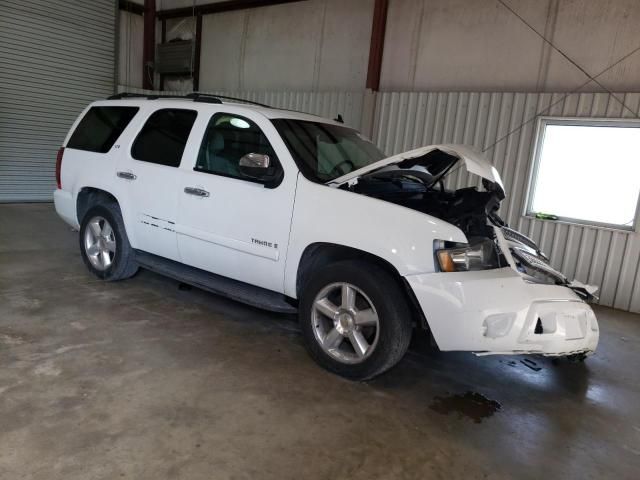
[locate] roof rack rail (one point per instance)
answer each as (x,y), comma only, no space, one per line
(195,96)
(154,96)
(235,99)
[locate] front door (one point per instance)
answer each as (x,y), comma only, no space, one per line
(229,223)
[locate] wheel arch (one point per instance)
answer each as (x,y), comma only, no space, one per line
(90,196)
(318,254)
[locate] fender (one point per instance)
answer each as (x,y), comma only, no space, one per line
(396,234)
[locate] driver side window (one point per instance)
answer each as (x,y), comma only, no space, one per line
(227,139)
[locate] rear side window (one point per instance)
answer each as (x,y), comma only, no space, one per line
(164,136)
(100,128)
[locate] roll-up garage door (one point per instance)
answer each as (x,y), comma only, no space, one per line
(56,56)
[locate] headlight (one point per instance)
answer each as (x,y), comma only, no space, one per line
(479,256)
(536,267)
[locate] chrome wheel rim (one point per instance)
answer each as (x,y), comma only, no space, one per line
(100,243)
(345,323)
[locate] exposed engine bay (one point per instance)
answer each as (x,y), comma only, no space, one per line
(418,183)
(466,208)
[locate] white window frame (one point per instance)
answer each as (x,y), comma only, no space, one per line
(535,164)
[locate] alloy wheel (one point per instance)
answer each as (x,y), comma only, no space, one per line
(100,243)
(345,323)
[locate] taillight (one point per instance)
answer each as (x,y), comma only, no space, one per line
(59,166)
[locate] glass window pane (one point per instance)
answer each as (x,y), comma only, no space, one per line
(227,139)
(100,128)
(589,173)
(164,136)
(323,151)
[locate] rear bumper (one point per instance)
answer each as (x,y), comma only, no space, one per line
(498,312)
(66,207)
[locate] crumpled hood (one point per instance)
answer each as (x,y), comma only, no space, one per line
(474,161)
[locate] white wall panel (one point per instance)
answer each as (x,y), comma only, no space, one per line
(604,257)
(130,42)
(471,45)
(435,44)
(430,45)
(310,45)
(280,46)
(344,50)
(221,54)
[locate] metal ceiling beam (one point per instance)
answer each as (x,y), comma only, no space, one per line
(376,47)
(219,7)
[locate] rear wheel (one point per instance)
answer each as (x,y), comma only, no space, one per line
(355,319)
(104,244)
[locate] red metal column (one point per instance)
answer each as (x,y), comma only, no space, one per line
(163,39)
(149,44)
(196,54)
(376,48)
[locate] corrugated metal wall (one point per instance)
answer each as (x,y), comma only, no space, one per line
(401,121)
(607,258)
(57,56)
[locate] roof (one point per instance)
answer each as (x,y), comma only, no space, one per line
(213,103)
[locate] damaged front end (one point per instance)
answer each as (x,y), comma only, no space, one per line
(415,180)
(526,258)
(497,293)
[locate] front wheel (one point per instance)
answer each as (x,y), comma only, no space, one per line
(355,319)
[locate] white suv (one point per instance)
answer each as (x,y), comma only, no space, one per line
(293,212)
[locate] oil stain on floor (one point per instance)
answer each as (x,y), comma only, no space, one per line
(472,405)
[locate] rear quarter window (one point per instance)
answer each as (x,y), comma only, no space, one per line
(100,128)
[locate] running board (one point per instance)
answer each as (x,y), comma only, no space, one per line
(227,287)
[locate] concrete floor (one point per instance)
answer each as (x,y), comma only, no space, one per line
(143,380)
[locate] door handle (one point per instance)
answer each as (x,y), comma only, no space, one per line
(198,192)
(126,175)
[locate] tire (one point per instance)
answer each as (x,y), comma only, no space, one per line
(325,317)
(105,224)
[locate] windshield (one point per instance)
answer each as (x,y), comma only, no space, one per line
(323,151)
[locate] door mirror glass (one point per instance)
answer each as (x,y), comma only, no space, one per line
(256,165)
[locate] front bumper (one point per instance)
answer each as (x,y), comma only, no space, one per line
(498,312)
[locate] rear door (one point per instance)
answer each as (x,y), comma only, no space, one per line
(230,224)
(148,173)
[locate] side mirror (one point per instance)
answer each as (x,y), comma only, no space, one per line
(256,166)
